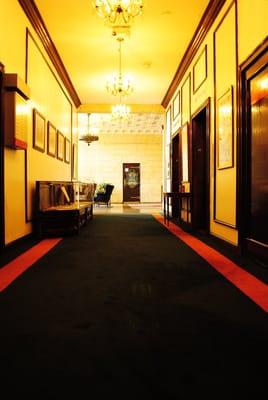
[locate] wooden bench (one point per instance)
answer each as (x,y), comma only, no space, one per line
(62,207)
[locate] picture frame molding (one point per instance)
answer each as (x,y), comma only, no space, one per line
(197,86)
(176,109)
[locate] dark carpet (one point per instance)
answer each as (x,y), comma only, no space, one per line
(126,310)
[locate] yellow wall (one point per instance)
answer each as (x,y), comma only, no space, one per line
(252,20)
(48,97)
(103,160)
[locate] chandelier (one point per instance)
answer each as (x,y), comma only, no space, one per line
(120,111)
(118,85)
(88,137)
(118,12)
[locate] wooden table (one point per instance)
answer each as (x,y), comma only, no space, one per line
(175,196)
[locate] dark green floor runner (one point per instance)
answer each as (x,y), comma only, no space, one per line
(126,310)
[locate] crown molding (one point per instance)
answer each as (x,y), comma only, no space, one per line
(201,31)
(34,16)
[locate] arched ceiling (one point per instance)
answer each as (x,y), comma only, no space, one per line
(150,54)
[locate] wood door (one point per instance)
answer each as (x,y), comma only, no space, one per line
(200,170)
(255,159)
(2,212)
(176,178)
(131,182)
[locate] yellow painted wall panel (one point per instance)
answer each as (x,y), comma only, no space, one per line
(47,97)
(252,26)
(225,59)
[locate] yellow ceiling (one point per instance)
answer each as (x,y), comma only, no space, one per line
(151,54)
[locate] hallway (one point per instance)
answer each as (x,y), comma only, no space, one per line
(128,310)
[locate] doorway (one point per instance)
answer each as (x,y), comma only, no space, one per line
(131,182)
(254,168)
(200,168)
(2,211)
(176,176)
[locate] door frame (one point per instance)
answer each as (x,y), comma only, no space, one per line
(2,196)
(205,106)
(250,67)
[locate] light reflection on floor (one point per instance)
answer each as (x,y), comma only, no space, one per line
(128,208)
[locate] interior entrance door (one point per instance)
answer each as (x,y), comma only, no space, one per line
(2,213)
(255,158)
(176,178)
(131,182)
(200,170)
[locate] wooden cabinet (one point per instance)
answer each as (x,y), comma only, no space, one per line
(59,210)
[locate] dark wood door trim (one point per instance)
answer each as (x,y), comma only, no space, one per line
(2,197)
(204,106)
(245,71)
(131,165)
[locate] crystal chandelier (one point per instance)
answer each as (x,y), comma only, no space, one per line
(118,85)
(88,137)
(120,111)
(118,12)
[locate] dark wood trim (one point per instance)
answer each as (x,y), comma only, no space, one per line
(2,176)
(233,3)
(206,105)
(195,89)
(209,16)
(34,16)
(254,55)
(243,121)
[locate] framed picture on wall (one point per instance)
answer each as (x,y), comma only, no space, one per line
(60,146)
(51,139)
(39,131)
(67,151)
(224,130)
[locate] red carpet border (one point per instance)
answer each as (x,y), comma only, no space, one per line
(252,287)
(21,263)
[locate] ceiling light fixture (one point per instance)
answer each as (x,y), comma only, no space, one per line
(89,137)
(119,12)
(118,85)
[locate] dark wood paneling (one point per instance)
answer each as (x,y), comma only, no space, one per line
(247,70)
(40,28)
(203,27)
(205,130)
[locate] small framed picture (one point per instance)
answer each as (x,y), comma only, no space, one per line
(39,131)
(224,130)
(67,151)
(60,146)
(51,139)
